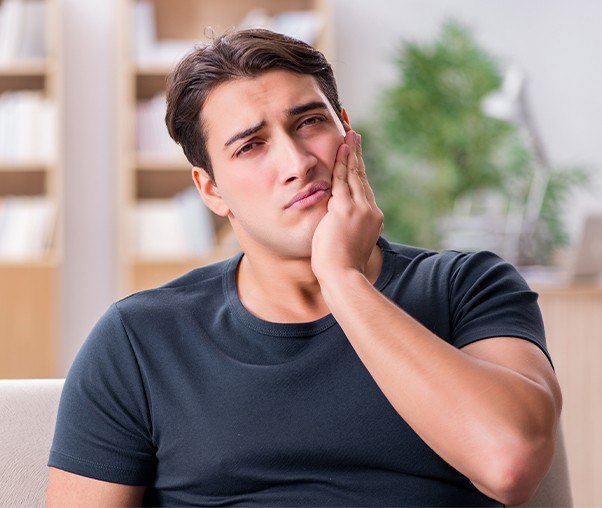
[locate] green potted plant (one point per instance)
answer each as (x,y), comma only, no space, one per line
(431,145)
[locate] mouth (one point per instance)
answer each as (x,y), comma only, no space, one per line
(310,196)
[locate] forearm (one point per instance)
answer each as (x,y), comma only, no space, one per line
(485,420)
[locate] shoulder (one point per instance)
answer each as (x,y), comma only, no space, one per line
(450,265)
(453,275)
(198,287)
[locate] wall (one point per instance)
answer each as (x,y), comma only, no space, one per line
(557,43)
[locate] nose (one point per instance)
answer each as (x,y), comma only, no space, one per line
(295,160)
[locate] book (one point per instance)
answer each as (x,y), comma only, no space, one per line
(27,127)
(176,228)
(198,223)
(144,30)
(22,30)
(152,135)
(32,39)
(159,231)
(26,226)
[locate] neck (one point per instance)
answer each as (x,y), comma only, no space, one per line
(285,289)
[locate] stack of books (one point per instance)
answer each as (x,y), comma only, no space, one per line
(26,227)
(22,30)
(152,136)
(27,131)
(177,228)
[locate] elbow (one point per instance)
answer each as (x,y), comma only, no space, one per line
(514,488)
(520,462)
(519,476)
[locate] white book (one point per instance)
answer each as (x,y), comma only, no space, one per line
(22,125)
(170,51)
(9,119)
(27,224)
(2,219)
(152,136)
(198,222)
(32,43)
(27,125)
(13,28)
(3,124)
(154,112)
(3,30)
(18,145)
(46,131)
(159,232)
(142,134)
(164,143)
(303,25)
(144,30)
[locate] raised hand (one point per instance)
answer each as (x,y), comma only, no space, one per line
(346,235)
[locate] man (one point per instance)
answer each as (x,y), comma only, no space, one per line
(322,365)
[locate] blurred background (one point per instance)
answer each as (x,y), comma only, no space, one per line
(481,123)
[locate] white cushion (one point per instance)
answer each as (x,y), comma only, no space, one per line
(27,417)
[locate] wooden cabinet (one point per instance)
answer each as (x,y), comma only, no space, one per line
(153,170)
(30,172)
(573,321)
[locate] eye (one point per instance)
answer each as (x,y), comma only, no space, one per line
(246,148)
(312,120)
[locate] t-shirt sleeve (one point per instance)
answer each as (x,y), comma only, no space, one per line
(103,427)
(489,298)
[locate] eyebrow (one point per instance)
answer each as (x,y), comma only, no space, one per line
(294,111)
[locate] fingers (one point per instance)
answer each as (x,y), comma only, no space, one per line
(340,186)
(355,142)
(362,172)
(349,175)
(356,186)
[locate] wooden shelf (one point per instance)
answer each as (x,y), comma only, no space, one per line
(24,165)
(153,69)
(161,162)
(29,288)
(24,182)
(49,261)
(19,68)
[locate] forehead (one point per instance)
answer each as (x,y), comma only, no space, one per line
(243,102)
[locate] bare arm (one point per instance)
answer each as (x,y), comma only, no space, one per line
(66,490)
(492,407)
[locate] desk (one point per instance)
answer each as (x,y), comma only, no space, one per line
(573,321)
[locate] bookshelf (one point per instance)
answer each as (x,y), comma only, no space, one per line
(30,187)
(153,171)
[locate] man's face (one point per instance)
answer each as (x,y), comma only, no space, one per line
(269,138)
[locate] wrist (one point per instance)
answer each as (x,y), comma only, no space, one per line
(333,282)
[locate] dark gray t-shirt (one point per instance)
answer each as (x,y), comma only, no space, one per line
(180,388)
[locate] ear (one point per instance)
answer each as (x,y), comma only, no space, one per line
(345,117)
(209,192)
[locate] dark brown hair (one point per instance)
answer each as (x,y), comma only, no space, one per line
(232,55)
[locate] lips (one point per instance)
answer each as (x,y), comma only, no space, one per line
(308,191)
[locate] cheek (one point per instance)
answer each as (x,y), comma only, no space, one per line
(326,149)
(250,185)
